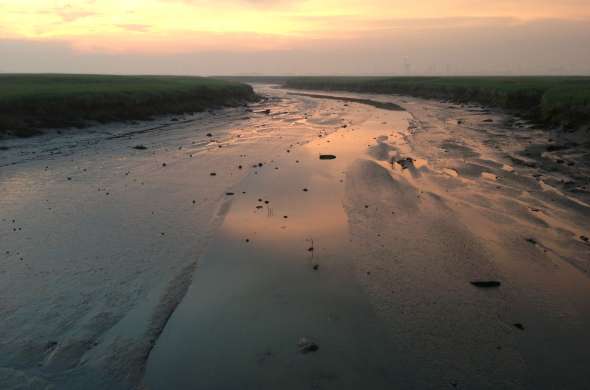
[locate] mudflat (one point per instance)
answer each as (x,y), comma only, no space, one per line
(442,246)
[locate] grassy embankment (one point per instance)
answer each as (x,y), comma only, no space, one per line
(554,101)
(29,103)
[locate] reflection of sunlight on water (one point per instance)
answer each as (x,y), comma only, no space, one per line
(318,212)
(325,218)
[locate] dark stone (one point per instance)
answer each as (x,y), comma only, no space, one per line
(306,346)
(140,147)
(406,163)
(327,157)
(486,283)
(518,325)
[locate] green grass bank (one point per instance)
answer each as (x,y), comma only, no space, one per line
(554,101)
(30,103)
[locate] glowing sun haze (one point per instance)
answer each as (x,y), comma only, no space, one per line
(291,36)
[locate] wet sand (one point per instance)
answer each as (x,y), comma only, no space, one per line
(140,268)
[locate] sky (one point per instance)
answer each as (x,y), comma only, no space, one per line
(250,37)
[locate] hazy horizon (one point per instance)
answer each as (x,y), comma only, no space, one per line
(289,37)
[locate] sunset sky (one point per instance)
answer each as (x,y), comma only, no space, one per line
(291,36)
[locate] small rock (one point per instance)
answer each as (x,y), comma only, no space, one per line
(584,238)
(327,157)
(406,163)
(486,283)
(518,325)
(316,267)
(209,135)
(213,174)
(306,346)
(140,147)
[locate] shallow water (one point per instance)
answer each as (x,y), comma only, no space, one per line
(256,294)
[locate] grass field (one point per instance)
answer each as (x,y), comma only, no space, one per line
(555,101)
(29,103)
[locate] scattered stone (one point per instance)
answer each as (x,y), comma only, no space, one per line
(267,111)
(486,283)
(229,194)
(531,241)
(209,135)
(140,147)
(327,157)
(163,164)
(305,190)
(316,267)
(518,325)
(306,346)
(584,238)
(213,174)
(488,121)
(406,163)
